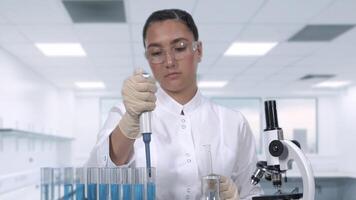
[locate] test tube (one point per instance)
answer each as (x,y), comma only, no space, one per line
(210,182)
(127,176)
(139,183)
(210,187)
(208,162)
(57,181)
(47,183)
(151,183)
(80,183)
(115,181)
(104,182)
(68,183)
(92,178)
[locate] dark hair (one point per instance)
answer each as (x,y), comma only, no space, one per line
(166,14)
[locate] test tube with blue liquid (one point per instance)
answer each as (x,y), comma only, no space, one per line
(68,183)
(92,178)
(104,183)
(151,183)
(47,184)
(139,183)
(127,181)
(115,183)
(80,183)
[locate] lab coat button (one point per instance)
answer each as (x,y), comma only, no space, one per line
(187,154)
(188,190)
(183,126)
(187,197)
(182,120)
(188,160)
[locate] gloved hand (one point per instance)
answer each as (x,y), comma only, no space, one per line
(138,95)
(228,189)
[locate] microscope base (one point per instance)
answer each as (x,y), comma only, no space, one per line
(279,197)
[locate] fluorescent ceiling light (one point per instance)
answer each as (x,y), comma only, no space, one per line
(90,85)
(61,49)
(249,48)
(211,84)
(332,84)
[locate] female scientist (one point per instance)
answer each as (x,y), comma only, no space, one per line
(183,120)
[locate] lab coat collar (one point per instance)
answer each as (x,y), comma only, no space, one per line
(173,106)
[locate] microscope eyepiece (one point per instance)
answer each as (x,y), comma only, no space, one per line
(271,115)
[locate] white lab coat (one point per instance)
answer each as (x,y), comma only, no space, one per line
(177,146)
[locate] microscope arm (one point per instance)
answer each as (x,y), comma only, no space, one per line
(291,153)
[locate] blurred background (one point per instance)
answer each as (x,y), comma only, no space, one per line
(62,64)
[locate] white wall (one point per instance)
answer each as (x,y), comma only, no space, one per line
(346,131)
(87,125)
(30,102)
(337,132)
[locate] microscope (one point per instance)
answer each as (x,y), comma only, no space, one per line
(280,154)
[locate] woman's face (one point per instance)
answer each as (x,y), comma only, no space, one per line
(173,55)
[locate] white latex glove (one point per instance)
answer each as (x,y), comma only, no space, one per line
(228,189)
(138,95)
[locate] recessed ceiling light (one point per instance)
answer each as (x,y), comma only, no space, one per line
(211,84)
(332,84)
(249,48)
(61,49)
(90,85)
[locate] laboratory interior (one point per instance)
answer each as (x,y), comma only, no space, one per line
(288,66)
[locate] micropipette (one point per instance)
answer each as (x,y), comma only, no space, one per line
(145,129)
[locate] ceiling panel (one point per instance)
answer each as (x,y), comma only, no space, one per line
(276,61)
(22,50)
(115,50)
(102,32)
(139,10)
(11,34)
(107,49)
(269,32)
(34,11)
(296,48)
(115,61)
(230,11)
(339,12)
(218,32)
(293,11)
(337,51)
(259,71)
(215,48)
(49,33)
(347,38)
(349,62)
(57,63)
(3,20)
(238,62)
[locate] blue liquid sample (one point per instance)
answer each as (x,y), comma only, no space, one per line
(115,191)
(151,191)
(68,192)
(103,192)
(126,191)
(138,192)
(45,192)
(92,191)
(80,192)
